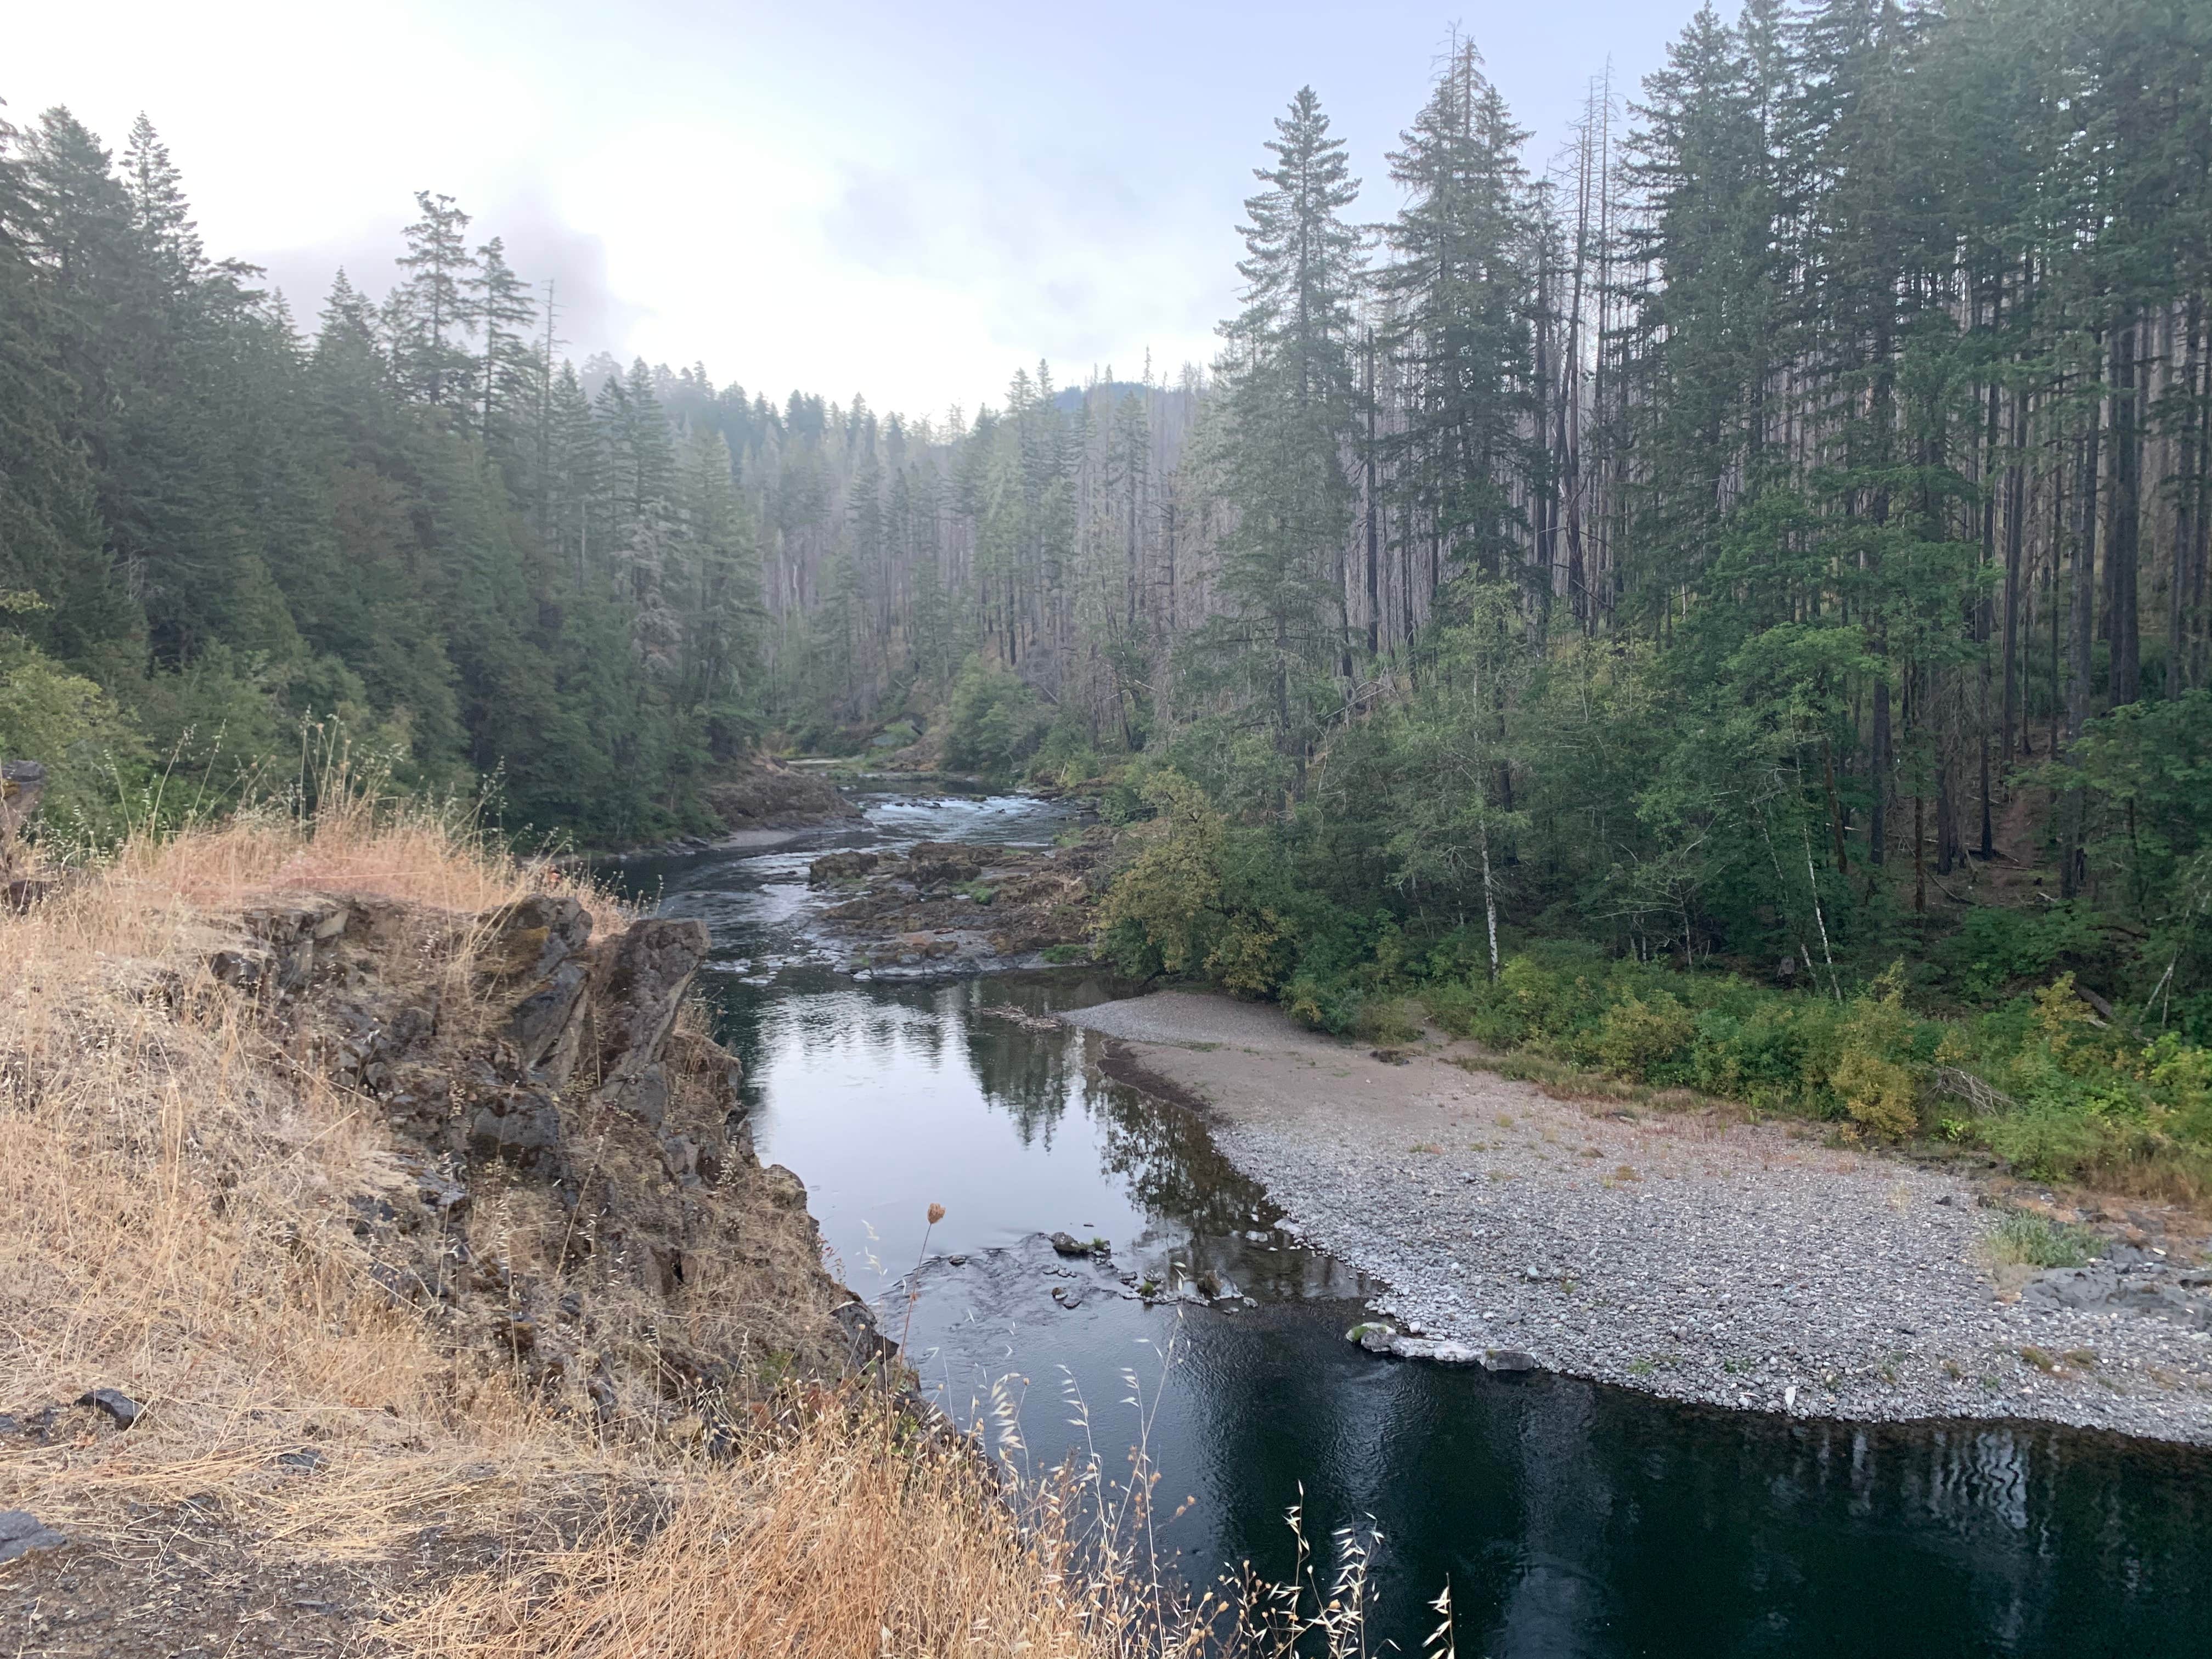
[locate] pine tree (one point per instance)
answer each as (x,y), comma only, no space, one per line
(722,678)
(60,594)
(1288,408)
(508,389)
(431,312)
(1459,287)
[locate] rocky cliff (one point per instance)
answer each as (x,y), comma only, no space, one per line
(573,1185)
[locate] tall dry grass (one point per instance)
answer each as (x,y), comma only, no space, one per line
(174,1225)
(173,1199)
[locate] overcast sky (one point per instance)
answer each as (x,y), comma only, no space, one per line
(905,200)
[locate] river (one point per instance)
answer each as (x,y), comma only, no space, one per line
(1567,1518)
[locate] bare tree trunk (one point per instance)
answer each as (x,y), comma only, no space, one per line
(2123,538)
(2082,632)
(1878,763)
(2015,543)
(1374,550)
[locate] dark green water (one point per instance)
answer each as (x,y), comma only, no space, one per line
(1568,1519)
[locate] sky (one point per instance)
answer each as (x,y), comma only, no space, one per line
(907,202)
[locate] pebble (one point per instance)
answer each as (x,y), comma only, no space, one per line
(1739,1267)
(118,1405)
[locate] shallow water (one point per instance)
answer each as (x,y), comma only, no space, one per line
(1567,1518)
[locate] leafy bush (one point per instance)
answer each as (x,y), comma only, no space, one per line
(1996,949)
(92,753)
(995,722)
(2027,1240)
(1645,1038)
(1250,954)
(1066,756)
(1387,1019)
(1874,1075)
(1162,915)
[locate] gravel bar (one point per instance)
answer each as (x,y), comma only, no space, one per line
(1753,1265)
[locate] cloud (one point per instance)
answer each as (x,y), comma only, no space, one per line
(540,245)
(908,203)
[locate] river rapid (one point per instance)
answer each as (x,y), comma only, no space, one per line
(1567,1517)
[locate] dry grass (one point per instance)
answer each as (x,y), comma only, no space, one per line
(848,1536)
(173,1204)
(174,1224)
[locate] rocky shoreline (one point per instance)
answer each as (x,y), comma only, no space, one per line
(1749,1266)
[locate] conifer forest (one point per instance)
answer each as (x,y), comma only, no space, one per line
(1764,543)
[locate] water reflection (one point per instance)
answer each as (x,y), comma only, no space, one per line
(1575,1519)
(1567,1518)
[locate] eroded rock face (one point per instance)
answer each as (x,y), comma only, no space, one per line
(578,1192)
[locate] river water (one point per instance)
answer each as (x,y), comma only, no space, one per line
(1567,1518)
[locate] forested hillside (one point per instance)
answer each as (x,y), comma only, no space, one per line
(1776,524)
(215,525)
(1775,527)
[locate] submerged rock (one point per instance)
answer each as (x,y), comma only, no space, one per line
(1508,1360)
(840,867)
(1441,1351)
(1372,1335)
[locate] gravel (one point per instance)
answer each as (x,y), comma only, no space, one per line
(1745,1265)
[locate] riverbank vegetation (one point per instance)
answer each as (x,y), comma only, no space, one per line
(1728,610)
(1770,535)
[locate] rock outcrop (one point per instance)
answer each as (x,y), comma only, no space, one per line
(574,1190)
(768,795)
(962,901)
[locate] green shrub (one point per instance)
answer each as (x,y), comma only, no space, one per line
(1162,915)
(995,722)
(2043,1140)
(1646,1038)
(1876,1074)
(2027,1240)
(1251,954)
(1388,1019)
(1995,948)
(1758,1056)
(92,753)
(1325,1007)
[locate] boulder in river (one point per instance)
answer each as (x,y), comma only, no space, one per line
(840,867)
(933,861)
